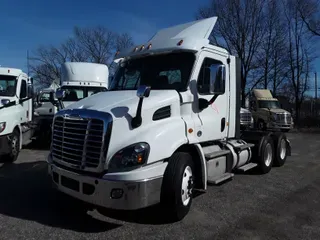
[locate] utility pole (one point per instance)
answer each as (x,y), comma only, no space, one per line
(28,62)
(316,93)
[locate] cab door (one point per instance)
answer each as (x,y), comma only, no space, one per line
(46,107)
(214,118)
(23,103)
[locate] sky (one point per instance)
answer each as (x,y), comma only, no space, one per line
(27,24)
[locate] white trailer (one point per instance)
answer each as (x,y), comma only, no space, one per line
(16,112)
(168,126)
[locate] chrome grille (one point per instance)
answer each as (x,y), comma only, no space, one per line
(284,118)
(80,141)
(245,117)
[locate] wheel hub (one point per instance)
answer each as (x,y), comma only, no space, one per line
(268,155)
(187,186)
(14,145)
(283,149)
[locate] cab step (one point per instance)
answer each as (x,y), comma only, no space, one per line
(221,178)
(216,154)
(247,167)
(243,147)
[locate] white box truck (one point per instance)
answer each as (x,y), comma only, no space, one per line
(168,126)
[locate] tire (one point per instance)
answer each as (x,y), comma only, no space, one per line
(280,144)
(14,145)
(266,156)
(177,186)
(261,125)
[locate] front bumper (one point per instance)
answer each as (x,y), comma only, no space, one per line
(4,145)
(274,125)
(121,195)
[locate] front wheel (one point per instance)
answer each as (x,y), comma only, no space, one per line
(177,186)
(14,147)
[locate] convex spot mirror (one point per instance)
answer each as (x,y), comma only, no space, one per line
(60,94)
(143,91)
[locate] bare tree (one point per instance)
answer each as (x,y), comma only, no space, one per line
(240,29)
(309,13)
(45,64)
(96,45)
(300,53)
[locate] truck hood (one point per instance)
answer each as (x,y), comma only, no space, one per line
(66,104)
(4,97)
(276,110)
(120,103)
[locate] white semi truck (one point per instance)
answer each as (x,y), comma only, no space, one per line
(16,112)
(82,79)
(168,126)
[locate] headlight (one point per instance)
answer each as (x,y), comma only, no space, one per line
(130,157)
(2,126)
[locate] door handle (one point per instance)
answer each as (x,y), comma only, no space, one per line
(223,124)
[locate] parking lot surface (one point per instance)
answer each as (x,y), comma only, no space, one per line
(283,204)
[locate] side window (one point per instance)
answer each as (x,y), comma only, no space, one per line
(45,97)
(211,71)
(130,79)
(174,76)
(23,89)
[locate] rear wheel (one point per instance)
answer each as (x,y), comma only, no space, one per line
(266,156)
(177,186)
(280,149)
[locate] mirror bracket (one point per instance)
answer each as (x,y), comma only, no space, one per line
(142,92)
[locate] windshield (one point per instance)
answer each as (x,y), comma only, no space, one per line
(76,93)
(8,85)
(169,71)
(268,104)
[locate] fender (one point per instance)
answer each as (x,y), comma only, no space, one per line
(203,163)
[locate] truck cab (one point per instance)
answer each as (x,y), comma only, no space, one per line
(16,111)
(82,79)
(267,112)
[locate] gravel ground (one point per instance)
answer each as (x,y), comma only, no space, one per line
(283,204)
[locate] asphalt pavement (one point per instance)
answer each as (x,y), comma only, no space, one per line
(283,204)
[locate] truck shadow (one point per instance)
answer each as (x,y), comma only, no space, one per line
(154,215)
(26,193)
(42,145)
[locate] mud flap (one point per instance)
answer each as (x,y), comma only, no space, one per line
(288,147)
